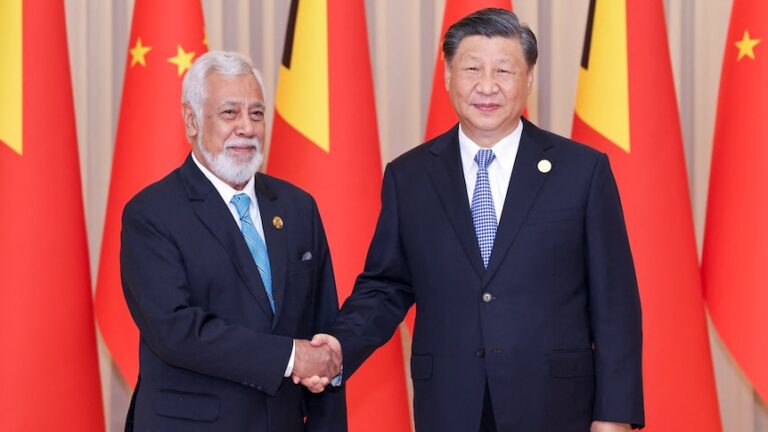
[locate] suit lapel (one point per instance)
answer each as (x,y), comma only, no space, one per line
(270,207)
(448,179)
(524,186)
(215,215)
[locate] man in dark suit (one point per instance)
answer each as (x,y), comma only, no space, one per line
(511,242)
(227,272)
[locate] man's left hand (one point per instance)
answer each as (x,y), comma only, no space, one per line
(601,426)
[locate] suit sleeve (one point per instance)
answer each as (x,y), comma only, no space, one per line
(326,411)
(180,333)
(614,305)
(382,294)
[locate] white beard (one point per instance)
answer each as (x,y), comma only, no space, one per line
(230,168)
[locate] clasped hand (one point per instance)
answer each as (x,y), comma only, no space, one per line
(316,362)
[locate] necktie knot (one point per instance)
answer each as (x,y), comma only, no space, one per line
(241,202)
(484,157)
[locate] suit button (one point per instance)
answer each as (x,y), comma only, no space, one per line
(480,353)
(487,297)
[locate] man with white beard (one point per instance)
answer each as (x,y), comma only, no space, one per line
(227,273)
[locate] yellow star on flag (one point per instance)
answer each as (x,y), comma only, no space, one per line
(747,46)
(205,37)
(138,52)
(183,59)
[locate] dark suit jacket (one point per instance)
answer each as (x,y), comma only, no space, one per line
(212,354)
(553,325)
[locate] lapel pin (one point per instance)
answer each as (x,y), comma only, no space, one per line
(544,166)
(277,222)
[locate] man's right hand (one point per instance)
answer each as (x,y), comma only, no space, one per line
(315,364)
(316,383)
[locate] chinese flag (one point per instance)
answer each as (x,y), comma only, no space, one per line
(626,107)
(441,115)
(49,372)
(166,36)
(735,261)
(325,141)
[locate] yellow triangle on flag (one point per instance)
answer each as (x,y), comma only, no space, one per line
(11,74)
(602,99)
(302,90)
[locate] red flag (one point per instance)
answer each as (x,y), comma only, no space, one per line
(166,36)
(626,107)
(735,259)
(325,141)
(49,372)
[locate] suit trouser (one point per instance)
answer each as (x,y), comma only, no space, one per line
(487,421)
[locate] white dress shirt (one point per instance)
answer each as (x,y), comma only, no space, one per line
(227,192)
(499,171)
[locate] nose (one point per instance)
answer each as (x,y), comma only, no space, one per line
(487,83)
(246,127)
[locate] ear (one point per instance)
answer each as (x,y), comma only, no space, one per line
(447,75)
(529,78)
(190,120)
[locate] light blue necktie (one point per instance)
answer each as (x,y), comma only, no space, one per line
(255,243)
(483,211)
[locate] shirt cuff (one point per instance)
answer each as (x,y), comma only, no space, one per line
(336,381)
(289,368)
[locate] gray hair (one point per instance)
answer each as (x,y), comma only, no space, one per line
(491,22)
(227,63)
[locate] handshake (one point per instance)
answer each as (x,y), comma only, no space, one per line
(316,362)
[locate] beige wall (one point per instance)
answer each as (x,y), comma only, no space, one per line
(403,39)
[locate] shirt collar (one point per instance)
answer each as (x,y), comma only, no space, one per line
(226,191)
(505,150)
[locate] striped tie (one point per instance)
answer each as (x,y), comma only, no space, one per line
(255,243)
(483,211)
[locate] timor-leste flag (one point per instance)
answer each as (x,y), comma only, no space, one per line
(626,107)
(49,372)
(166,36)
(325,140)
(441,116)
(735,259)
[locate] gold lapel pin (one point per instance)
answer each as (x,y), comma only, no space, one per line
(277,222)
(544,166)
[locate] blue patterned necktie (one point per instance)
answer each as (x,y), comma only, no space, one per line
(255,243)
(483,211)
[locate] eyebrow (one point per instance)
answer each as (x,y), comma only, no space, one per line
(260,105)
(479,58)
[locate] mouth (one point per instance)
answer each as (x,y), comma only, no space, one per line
(241,150)
(486,107)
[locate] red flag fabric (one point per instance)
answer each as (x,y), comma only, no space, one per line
(441,115)
(49,372)
(166,36)
(735,255)
(325,141)
(626,107)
